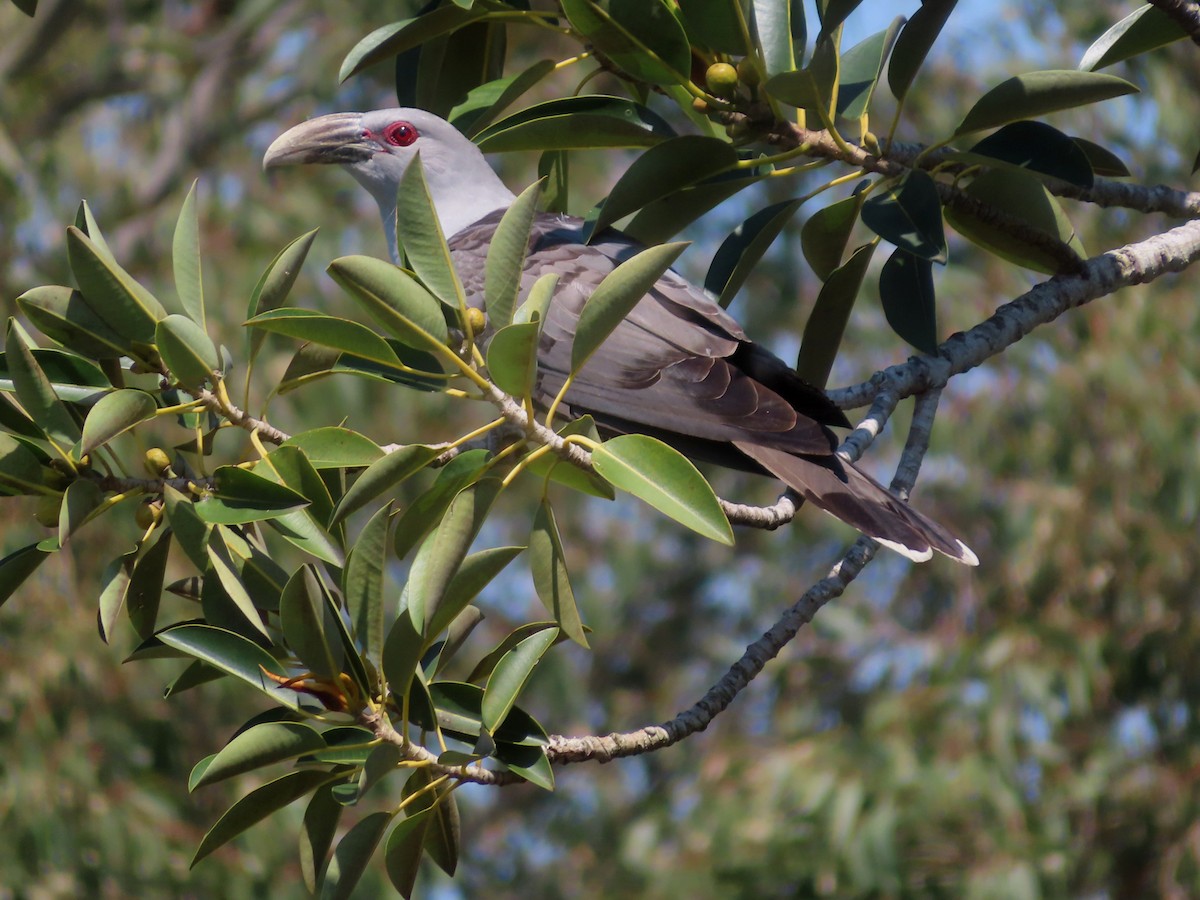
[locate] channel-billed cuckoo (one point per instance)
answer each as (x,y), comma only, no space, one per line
(678,367)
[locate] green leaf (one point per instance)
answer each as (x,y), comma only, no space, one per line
(335,447)
(114,583)
(458,632)
(906,290)
(531,763)
(257,805)
(402,649)
(548,565)
(241,497)
(16,567)
(773,24)
(509,677)
(916,38)
(661,171)
(330,331)
(420,234)
(187,351)
(35,391)
(1146,28)
(743,249)
(487,101)
(617,294)
(1026,199)
(185,260)
(537,301)
(443,838)
(353,853)
(402,855)
(20,469)
(392,40)
(642,37)
(834,12)
(1102,160)
(660,220)
(860,68)
(308,627)
(114,295)
(316,837)
(426,511)
(260,746)
(233,655)
(72,378)
(576,123)
(665,479)
(474,574)
(506,257)
(909,215)
(382,475)
(29,7)
(401,305)
(716,24)
(811,88)
(63,315)
(512,358)
(824,236)
(827,322)
(189,528)
(226,600)
(276,283)
(115,414)
(1033,147)
(146,585)
(450,65)
(364,582)
(287,465)
(1037,93)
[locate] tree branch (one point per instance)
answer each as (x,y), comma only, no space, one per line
(1186,13)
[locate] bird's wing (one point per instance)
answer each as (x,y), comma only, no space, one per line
(677,364)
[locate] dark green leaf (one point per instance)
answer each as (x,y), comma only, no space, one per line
(548,565)
(341,334)
(512,358)
(262,745)
(487,101)
(1034,147)
(241,497)
(401,305)
(824,235)
(35,391)
(860,68)
(226,601)
(402,651)
(426,511)
(335,447)
(1146,28)
(308,627)
(909,215)
(232,654)
(743,249)
(506,258)
(185,260)
(189,528)
(1037,93)
(111,292)
(353,853)
(576,123)
(916,37)
(716,24)
(364,581)
(146,584)
(444,835)
(642,37)
(402,856)
(320,825)
(665,479)
(382,475)
(510,675)
(827,322)
(906,290)
(64,316)
(391,40)
(21,472)
(115,414)
(18,566)
(660,220)
(473,575)
(186,350)
(1102,160)
(276,283)
(114,584)
(420,234)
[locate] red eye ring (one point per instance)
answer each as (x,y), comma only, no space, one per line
(400,134)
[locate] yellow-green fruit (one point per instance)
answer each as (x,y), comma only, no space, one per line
(46,511)
(722,79)
(476,320)
(147,514)
(156,461)
(747,71)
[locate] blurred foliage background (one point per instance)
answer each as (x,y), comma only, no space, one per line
(1026,729)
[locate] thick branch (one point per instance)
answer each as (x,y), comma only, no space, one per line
(1185,12)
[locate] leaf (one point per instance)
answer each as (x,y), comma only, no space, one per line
(189,528)
(402,650)
(260,746)
(715,24)
(330,331)
(187,351)
(616,295)
(811,88)
(1102,160)
(426,511)
(506,258)
(744,248)
(443,837)
(401,305)
(642,37)
(185,260)
(576,123)
(363,582)
(320,825)
(226,600)
(391,40)
(665,479)
(146,584)
(568,474)
(71,378)
(382,475)
(548,565)
(860,68)
(512,358)
(906,290)
(257,805)
(661,171)
(824,235)
(1037,93)
(276,283)
(827,322)
(1034,147)
(232,654)
(308,627)
(474,574)
(1026,199)
(64,316)
(1146,28)
(352,854)
(909,215)
(18,566)
(915,40)
(531,763)
(834,12)
(114,585)
(335,447)
(115,414)
(537,301)
(660,220)
(21,471)
(420,233)
(487,101)
(509,677)
(35,392)
(241,497)
(402,856)
(122,303)
(773,25)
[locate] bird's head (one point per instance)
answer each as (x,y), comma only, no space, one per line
(377,147)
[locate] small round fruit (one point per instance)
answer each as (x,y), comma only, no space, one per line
(476,320)
(147,514)
(722,79)
(156,461)
(747,71)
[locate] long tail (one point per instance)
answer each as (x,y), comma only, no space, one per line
(859,500)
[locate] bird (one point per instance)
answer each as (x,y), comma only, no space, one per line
(678,367)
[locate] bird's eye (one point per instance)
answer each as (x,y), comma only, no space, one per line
(400,134)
